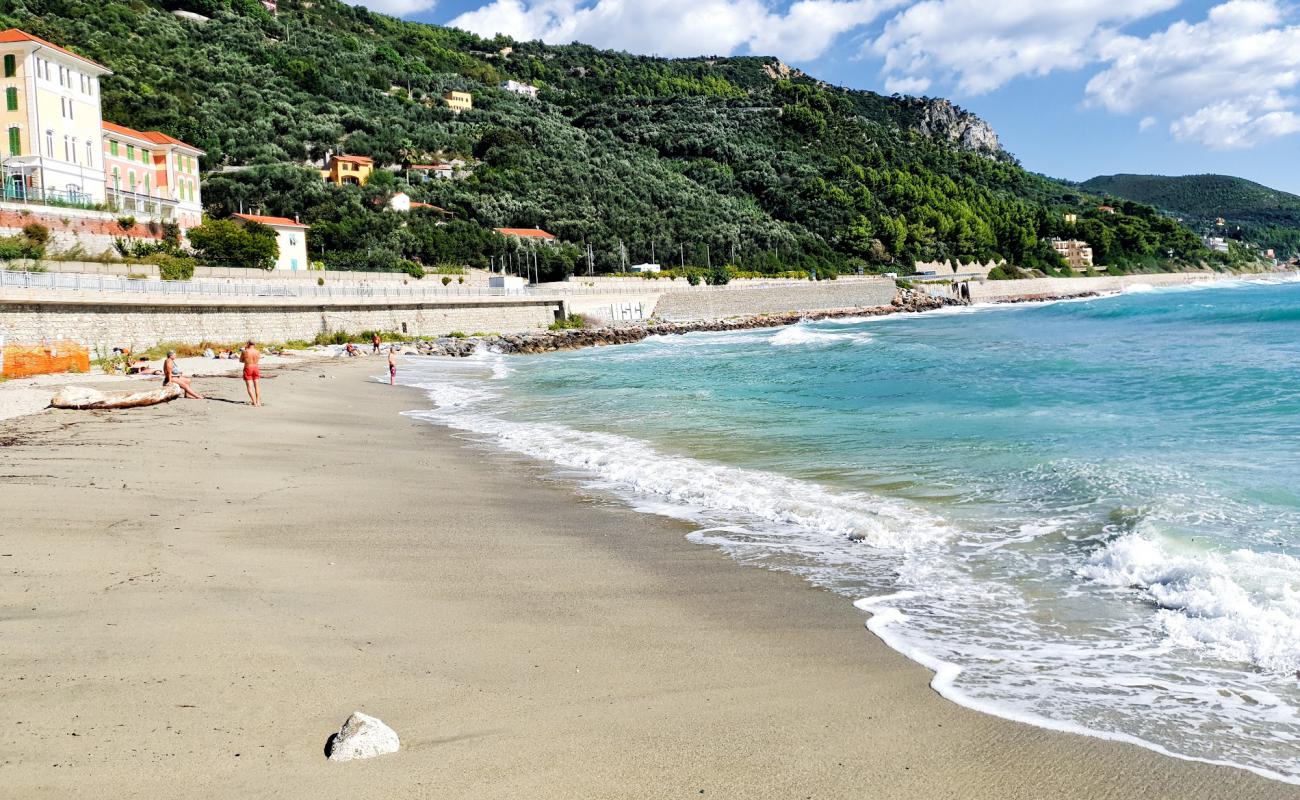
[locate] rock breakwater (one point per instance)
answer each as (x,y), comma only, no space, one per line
(577,338)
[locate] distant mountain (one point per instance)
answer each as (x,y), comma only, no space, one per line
(1251,211)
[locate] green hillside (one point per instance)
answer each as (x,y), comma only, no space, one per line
(726,159)
(1251,211)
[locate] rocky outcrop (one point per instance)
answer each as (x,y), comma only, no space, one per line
(362,736)
(940,119)
(552,341)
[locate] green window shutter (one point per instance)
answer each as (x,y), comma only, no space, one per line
(130,152)
(15,142)
(11,66)
(147,189)
(112,147)
(131,178)
(144,156)
(11,99)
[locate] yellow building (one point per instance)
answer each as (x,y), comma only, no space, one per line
(458,101)
(51,120)
(354,170)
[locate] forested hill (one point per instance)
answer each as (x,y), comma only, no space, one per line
(1252,211)
(710,158)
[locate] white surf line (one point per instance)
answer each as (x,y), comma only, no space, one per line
(884,617)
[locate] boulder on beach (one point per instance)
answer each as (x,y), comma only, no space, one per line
(362,736)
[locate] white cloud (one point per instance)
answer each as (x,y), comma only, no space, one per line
(679,27)
(1228,81)
(398,8)
(981,45)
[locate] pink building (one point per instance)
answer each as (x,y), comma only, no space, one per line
(152,174)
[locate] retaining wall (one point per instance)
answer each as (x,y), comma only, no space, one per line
(1061,287)
(71,228)
(727,301)
(102,324)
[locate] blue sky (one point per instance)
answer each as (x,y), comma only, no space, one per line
(1075,88)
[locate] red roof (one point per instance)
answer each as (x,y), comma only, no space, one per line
(157,137)
(356,159)
(281,221)
(526,233)
(14,35)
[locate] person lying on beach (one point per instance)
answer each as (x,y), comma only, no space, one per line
(172,374)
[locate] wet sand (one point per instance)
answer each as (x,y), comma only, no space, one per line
(196,595)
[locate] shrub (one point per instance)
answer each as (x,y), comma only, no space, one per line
(36,233)
(411,268)
(457,335)
(12,247)
(693,278)
(126,223)
(446,280)
(136,276)
(225,243)
(320,281)
(574,322)
(174,267)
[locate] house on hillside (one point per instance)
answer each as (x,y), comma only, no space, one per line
(528,235)
(348,170)
(1216,243)
(520,89)
(1106,209)
(402,203)
(51,117)
(1077,253)
(290,235)
(149,172)
(458,101)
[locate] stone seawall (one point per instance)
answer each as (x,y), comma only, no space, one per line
(101,324)
(993,291)
(728,301)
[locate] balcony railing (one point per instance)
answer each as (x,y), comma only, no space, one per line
(119,200)
(36,195)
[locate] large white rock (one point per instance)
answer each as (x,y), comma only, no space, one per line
(362,736)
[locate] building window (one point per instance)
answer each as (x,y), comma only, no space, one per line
(112,147)
(144,156)
(130,152)
(15,141)
(62,72)
(83,85)
(11,66)
(147,188)
(74,150)
(67,148)
(131,177)
(90,153)
(49,143)
(117,180)
(11,99)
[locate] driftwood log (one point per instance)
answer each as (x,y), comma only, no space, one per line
(79,397)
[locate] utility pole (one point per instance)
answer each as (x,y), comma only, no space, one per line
(708,261)
(652,252)
(682,247)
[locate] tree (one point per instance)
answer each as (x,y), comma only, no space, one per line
(227,243)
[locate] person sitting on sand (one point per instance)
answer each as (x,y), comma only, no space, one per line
(350,349)
(172,374)
(251,359)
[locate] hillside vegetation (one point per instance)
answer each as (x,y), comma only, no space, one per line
(694,160)
(1251,211)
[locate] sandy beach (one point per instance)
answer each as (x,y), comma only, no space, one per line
(196,595)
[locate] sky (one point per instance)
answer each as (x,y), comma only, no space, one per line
(1074,88)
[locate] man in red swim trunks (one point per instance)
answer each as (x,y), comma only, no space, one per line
(252,374)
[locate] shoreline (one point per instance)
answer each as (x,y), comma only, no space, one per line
(215,618)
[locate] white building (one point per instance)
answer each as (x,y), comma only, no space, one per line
(520,88)
(290,235)
(52,121)
(1217,243)
(645,268)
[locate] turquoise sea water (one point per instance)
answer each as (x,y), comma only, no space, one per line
(1081,514)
